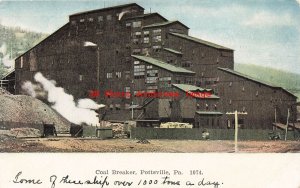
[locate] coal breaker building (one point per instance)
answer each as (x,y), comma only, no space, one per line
(122,57)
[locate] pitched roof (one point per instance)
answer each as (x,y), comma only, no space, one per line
(173,51)
(192,88)
(187,87)
(246,76)
(194,39)
(165,23)
(147,15)
(253,79)
(7,74)
(45,39)
(107,8)
(209,113)
(163,65)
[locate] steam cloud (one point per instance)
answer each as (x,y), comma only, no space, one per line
(29,88)
(3,49)
(64,103)
(122,14)
(89,104)
(5,57)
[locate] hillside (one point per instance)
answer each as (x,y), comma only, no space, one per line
(287,80)
(13,42)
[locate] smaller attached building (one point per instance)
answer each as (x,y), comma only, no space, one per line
(195,105)
(264,103)
(7,82)
(155,76)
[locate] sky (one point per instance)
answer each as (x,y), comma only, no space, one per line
(262,32)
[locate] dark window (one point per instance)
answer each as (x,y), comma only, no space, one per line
(118,107)
(109,17)
(228,124)
(100,18)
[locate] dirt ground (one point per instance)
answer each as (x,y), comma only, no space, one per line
(66,144)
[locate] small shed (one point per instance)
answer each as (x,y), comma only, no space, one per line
(104,133)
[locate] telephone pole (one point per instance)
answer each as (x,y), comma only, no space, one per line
(287,124)
(236,113)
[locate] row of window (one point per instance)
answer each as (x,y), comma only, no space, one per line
(138,62)
(145,51)
(146,40)
(152,73)
(147,33)
(214,122)
(165,82)
(108,17)
(151,80)
(91,19)
(155,38)
(110,75)
(207,107)
(206,81)
(101,19)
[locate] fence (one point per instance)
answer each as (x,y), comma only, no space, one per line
(214,134)
(7,125)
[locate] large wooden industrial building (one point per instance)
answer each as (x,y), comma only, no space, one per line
(121,49)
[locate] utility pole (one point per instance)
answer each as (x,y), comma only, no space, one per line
(287,124)
(236,113)
(98,68)
(274,127)
(132,110)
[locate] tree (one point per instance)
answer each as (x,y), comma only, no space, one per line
(3,70)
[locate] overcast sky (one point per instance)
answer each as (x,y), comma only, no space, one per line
(262,32)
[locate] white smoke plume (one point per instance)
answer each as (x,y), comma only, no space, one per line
(3,49)
(5,59)
(122,14)
(88,43)
(89,104)
(64,103)
(29,88)
(34,90)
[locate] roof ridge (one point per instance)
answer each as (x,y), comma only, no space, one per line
(247,76)
(205,42)
(173,50)
(165,23)
(106,8)
(147,14)
(192,86)
(163,64)
(189,87)
(45,39)
(254,79)
(8,73)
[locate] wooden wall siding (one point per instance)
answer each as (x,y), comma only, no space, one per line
(204,59)
(63,57)
(256,99)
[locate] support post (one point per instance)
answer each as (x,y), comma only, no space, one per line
(98,69)
(287,124)
(274,127)
(132,110)
(236,127)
